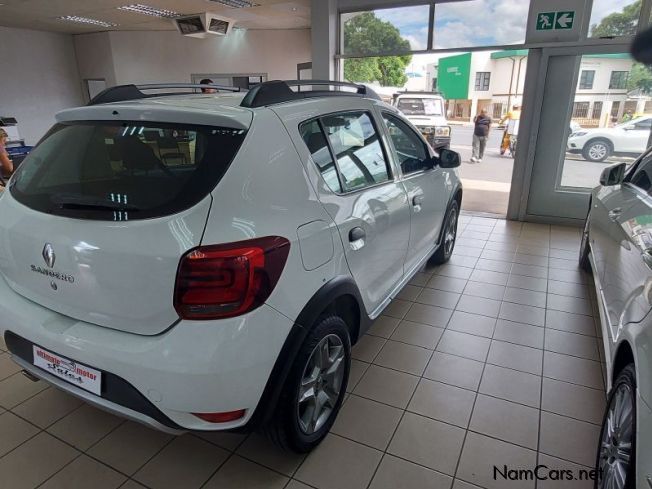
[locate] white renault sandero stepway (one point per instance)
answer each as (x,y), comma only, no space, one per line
(206,261)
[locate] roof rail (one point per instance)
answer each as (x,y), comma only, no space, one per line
(121,93)
(278,91)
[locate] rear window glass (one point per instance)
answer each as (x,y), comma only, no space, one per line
(124,171)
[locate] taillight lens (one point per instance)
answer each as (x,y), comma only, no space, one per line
(227,280)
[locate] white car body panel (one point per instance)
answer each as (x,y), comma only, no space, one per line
(630,140)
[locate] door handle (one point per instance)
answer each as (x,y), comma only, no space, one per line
(417,200)
(356,238)
(614,214)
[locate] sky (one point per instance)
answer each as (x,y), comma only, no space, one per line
(602,8)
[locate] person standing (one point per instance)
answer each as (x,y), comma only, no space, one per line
(6,165)
(511,118)
(480,135)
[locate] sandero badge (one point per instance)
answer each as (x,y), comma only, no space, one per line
(49,257)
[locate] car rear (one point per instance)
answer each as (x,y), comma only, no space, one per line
(109,290)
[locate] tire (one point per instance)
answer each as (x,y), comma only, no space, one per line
(292,427)
(625,432)
(585,248)
(449,236)
(597,150)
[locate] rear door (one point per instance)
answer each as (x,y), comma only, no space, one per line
(98,216)
(634,136)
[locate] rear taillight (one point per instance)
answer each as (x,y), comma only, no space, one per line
(227,280)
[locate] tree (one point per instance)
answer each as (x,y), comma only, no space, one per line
(640,78)
(366,35)
(619,23)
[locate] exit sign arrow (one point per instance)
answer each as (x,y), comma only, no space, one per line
(564,20)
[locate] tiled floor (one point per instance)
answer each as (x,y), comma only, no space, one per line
(490,360)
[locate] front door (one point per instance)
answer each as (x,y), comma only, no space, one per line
(427,188)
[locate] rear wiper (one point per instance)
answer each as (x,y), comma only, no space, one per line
(81,202)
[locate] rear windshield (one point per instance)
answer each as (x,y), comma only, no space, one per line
(420,106)
(124,171)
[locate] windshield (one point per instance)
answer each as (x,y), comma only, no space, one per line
(124,171)
(639,122)
(420,106)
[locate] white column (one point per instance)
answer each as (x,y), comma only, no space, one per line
(324,38)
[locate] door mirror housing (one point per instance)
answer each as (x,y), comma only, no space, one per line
(613,175)
(448,158)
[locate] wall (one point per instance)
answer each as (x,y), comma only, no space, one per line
(95,58)
(38,79)
(152,57)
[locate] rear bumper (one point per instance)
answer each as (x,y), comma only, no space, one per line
(194,367)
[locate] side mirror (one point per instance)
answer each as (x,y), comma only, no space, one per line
(613,175)
(449,159)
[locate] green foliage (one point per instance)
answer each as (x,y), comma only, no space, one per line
(640,78)
(619,23)
(365,35)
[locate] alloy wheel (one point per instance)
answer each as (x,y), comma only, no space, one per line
(617,439)
(321,384)
(598,151)
(450,232)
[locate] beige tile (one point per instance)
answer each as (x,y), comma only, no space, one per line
(7,366)
(384,326)
(493,265)
(238,473)
(394,473)
(568,438)
(488,291)
(519,333)
(458,484)
(18,388)
(467,251)
(367,422)
(454,271)
(475,324)
(577,345)
(462,261)
(448,284)
(574,276)
(19,469)
(131,484)
(420,279)
(489,277)
(511,385)
(261,450)
(14,431)
(409,293)
(432,315)
(557,464)
(506,255)
(529,283)
(455,370)
(85,426)
(572,323)
(339,463)
(440,298)
(428,442)
(531,259)
(397,308)
(525,297)
(418,334)
(129,447)
(387,386)
(187,462)
(47,407)
(568,289)
(297,485)
(406,358)
(481,454)
(569,304)
(572,369)
(519,313)
(227,440)
(464,345)
(367,348)
(518,357)
(84,472)
(443,402)
(507,421)
(573,400)
(530,271)
(358,369)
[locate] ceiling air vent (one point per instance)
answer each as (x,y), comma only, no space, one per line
(201,25)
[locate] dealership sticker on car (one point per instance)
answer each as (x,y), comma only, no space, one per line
(72,372)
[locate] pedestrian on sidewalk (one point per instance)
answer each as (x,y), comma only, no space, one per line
(480,135)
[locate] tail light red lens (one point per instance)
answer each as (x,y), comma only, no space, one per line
(227,280)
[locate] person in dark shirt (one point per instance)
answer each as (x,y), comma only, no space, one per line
(480,135)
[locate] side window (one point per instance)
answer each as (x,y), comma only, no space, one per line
(642,176)
(357,149)
(316,141)
(410,150)
(645,124)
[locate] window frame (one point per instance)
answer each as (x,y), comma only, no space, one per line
(482,79)
(625,79)
(391,175)
(583,82)
(424,143)
(632,171)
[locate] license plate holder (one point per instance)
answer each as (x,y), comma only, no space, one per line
(73,372)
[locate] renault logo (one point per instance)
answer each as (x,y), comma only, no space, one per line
(48,255)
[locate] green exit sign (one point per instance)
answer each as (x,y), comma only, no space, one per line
(547,21)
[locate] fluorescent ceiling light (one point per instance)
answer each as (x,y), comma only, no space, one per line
(236,3)
(139,8)
(86,20)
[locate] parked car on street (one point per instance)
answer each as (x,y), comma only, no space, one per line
(426,111)
(628,139)
(205,261)
(617,247)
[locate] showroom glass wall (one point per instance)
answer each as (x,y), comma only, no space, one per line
(471,26)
